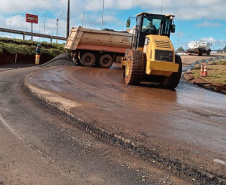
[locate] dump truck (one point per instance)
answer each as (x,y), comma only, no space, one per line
(91,47)
(199,47)
(152,57)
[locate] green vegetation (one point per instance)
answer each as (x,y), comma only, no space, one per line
(13,46)
(222,63)
(180,49)
(222,50)
(216,73)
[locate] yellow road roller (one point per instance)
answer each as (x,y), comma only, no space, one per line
(152,56)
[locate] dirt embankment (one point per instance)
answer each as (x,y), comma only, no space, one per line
(215,79)
(23,52)
(7,58)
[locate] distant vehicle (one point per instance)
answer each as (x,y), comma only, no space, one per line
(199,48)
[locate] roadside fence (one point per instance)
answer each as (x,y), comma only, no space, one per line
(24,33)
(207,61)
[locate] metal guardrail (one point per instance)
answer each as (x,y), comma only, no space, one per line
(24,33)
(199,62)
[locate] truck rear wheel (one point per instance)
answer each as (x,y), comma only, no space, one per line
(172,81)
(208,52)
(135,66)
(106,61)
(88,60)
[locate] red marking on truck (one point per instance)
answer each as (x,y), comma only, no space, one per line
(101,48)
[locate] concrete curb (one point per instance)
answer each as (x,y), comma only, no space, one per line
(179,167)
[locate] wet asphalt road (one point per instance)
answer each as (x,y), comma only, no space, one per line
(38,146)
(188,114)
(187,124)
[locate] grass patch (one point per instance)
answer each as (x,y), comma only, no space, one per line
(13,46)
(221,63)
(216,73)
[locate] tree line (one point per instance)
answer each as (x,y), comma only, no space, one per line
(222,50)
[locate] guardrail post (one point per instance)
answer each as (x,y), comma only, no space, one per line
(23,35)
(189,68)
(193,66)
(15,58)
(199,62)
(51,40)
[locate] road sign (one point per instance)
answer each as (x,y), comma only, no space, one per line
(31,18)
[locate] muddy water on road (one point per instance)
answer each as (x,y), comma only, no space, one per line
(189,119)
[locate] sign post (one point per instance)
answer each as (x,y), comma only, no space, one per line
(31,30)
(31,19)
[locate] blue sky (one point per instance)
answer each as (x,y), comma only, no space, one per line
(195,20)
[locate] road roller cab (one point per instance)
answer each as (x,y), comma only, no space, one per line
(152,56)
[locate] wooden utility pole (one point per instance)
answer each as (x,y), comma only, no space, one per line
(68,18)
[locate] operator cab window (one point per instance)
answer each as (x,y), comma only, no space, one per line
(151,25)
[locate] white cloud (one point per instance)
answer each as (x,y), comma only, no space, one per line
(14,11)
(97,5)
(16,22)
(187,10)
(208,24)
(27,5)
(190,9)
(217,43)
(210,40)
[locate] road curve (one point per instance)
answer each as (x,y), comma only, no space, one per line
(187,124)
(39,146)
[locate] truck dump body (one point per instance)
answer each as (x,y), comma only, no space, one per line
(98,40)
